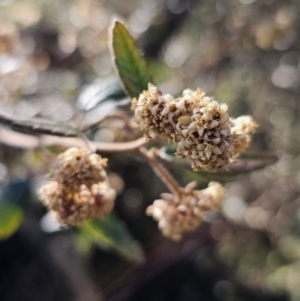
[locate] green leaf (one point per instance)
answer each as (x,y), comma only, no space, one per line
(11,217)
(84,240)
(38,126)
(130,64)
(14,198)
(112,234)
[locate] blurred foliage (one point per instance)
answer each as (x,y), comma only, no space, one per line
(13,200)
(100,91)
(110,233)
(247,162)
(11,217)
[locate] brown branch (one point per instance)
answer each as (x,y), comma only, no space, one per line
(15,139)
(160,170)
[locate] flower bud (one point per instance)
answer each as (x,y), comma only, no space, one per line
(72,207)
(199,126)
(79,189)
(177,214)
(153,111)
(78,166)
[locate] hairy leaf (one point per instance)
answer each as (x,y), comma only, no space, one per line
(130,64)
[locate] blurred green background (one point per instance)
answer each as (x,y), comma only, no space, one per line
(55,64)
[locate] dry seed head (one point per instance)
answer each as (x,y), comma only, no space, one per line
(78,166)
(152,110)
(199,126)
(204,135)
(74,207)
(80,189)
(179,214)
(212,197)
(242,126)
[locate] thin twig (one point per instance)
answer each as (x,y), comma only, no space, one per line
(15,139)
(160,170)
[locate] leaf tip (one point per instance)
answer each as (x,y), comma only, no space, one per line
(115,23)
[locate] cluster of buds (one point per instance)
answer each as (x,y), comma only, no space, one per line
(198,125)
(79,188)
(202,132)
(177,214)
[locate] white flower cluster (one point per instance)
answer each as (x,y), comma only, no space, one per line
(78,166)
(153,112)
(177,214)
(79,189)
(198,125)
(72,207)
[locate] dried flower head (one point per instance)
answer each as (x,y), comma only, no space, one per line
(74,207)
(204,138)
(242,126)
(152,110)
(78,166)
(199,126)
(79,189)
(177,214)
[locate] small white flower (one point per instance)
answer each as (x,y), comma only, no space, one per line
(177,214)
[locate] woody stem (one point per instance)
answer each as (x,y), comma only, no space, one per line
(160,170)
(25,141)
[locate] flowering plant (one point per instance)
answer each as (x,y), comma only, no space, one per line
(196,126)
